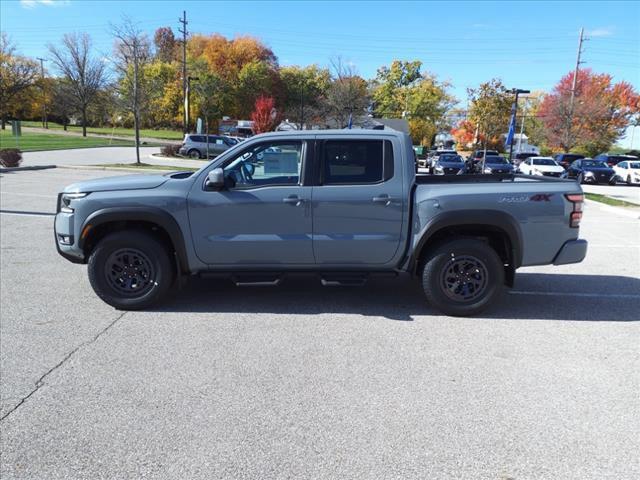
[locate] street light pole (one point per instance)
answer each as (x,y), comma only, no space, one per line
(517,91)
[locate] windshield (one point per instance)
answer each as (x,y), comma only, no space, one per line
(571,158)
(544,161)
(594,163)
(451,158)
(495,159)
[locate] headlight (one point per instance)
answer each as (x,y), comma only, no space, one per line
(537,172)
(65,201)
(588,174)
(439,169)
(487,170)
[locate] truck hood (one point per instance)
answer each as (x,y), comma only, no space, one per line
(126,182)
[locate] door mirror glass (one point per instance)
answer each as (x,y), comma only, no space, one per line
(251,168)
(215,179)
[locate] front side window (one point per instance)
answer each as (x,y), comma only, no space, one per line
(268,163)
(356,162)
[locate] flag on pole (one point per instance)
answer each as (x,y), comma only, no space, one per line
(350,124)
(512,125)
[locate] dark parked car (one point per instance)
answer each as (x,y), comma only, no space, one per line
(479,154)
(448,164)
(566,159)
(613,160)
(497,164)
(591,171)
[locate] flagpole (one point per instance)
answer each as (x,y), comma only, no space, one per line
(517,91)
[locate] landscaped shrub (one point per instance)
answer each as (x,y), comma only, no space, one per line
(170,150)
(10,157)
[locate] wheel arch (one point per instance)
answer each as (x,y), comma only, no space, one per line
(159,222)
(496,227)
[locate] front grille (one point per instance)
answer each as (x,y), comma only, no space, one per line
(551,174)
(451,170)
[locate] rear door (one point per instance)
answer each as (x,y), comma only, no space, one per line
(359,202)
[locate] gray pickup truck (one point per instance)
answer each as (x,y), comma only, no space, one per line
(343,205)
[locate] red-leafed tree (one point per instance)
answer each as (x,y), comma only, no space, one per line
(264,116)
(464,134)
(600,112)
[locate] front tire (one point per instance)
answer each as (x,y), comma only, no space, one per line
(130,270)
(629,180)
(463,277)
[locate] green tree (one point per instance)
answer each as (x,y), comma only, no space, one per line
(255,79)
(489,108)
(304,90)
(18,76)
(403,91)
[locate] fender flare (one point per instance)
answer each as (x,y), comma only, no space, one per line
(155,215)
(497,219)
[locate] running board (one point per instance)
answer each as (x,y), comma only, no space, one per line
(343,279)
(256,280)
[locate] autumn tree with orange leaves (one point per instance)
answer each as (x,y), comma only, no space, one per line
(600,113)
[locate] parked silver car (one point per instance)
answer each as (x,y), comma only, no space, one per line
(195,145)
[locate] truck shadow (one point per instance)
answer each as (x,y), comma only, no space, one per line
(559,297)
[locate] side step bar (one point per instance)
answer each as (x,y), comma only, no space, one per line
(256,280)
(343,279)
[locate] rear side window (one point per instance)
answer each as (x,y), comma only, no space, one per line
(197,139)
(357,161)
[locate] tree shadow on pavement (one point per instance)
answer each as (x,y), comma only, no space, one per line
(564,297)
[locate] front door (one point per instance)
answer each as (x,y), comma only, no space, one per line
(263,216)
(359,204)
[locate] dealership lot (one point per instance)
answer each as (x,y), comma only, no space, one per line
(306,381)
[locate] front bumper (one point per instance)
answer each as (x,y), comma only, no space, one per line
(573,251)
(64,227)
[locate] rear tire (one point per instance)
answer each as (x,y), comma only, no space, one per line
(194,153)
(463,277)
(130,270)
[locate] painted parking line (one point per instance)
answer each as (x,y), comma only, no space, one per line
(577,294)
(24,213)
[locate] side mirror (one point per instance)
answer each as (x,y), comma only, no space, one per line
(251,168)
(215,179)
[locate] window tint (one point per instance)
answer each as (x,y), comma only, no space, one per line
(269,163)
(622,164)
(544,161)
(357,161)
(198,138)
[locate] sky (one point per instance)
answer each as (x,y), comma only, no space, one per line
(528,45)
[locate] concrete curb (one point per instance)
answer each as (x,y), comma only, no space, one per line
(32,167)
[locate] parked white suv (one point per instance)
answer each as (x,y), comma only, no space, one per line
(544,166)
(628,171)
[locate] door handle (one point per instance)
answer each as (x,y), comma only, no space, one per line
(386,199)
(293,200)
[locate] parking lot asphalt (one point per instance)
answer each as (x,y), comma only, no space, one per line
(302,381)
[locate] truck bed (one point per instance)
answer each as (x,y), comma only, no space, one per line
(424,179)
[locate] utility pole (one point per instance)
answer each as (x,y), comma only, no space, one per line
(569,138)
(185,93)
(45,123)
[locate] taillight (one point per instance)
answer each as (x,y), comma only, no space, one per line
(577,200)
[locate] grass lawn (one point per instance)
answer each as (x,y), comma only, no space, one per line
(148,133)
(596,197)
(147,166)
(30,142)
